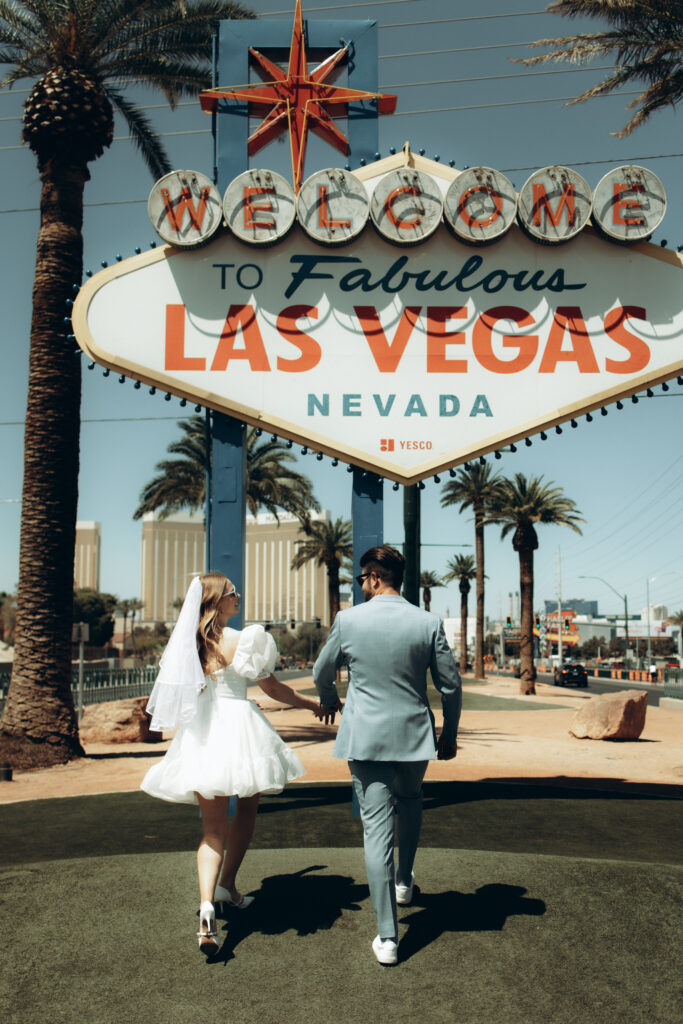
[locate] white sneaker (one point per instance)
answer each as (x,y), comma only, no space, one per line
(386,950)
(404,893)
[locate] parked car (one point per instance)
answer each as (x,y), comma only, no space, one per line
(571,673)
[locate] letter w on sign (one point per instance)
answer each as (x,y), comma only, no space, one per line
(175,209)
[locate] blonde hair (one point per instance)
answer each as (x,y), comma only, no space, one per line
(209,631)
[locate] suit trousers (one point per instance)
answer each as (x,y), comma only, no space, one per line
(381,788)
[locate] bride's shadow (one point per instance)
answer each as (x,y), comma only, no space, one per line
(301,901)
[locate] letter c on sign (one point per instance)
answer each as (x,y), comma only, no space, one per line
(399,222)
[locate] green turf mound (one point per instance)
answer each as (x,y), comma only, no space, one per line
(491,938)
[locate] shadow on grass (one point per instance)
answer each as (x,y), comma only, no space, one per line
(485,910)
(300,902)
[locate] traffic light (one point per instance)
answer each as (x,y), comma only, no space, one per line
(508,622)
(317,623)
(567,623)
(267,627)
(538,622)
(292,624)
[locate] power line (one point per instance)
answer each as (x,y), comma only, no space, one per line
(510,103)
(402,24)
(110,419)
(490,78)
(505,170)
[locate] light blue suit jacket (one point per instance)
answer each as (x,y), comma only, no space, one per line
(388,645)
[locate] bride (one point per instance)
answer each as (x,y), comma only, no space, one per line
(224,745)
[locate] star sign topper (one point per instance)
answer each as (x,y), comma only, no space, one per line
(297,101)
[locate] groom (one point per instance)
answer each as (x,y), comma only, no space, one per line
(387,730)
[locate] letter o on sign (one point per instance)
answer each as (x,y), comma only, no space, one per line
(629,204)
(554,205)
(185,208)
(406,206)
(332,206)
(480,205)
(259,207)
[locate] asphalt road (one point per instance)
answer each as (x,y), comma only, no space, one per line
(597,684)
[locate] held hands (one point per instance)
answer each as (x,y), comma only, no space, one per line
(445,751)
(327,715)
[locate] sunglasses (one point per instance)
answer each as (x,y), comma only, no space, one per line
(363,576)
(229,593)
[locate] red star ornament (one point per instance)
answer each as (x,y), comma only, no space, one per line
(296,101)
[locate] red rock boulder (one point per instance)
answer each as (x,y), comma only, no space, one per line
(117,721)
(611,716)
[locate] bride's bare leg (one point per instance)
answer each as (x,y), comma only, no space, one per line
(237,843)
(210,852)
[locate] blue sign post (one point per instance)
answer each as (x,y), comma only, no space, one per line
(226,504)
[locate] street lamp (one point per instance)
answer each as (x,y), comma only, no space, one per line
(624,598)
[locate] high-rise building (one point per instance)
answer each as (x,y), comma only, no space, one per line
(87,555)
(172,553)
(173,550)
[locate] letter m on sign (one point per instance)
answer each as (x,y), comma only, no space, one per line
(176,209)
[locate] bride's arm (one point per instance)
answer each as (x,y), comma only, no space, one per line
(286,695)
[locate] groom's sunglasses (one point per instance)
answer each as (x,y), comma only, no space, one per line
(363,576)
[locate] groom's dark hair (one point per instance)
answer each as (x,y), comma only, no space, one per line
(386,562)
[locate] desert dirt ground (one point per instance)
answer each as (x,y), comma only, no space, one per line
(522,745)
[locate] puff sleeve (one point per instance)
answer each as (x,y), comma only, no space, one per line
(256,653)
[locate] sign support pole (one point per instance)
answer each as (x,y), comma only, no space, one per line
(367,506)
(228,504)
(411,550)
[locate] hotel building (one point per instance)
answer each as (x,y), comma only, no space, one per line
(173,550)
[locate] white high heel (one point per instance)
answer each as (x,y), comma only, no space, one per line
(222,895)
(207,935)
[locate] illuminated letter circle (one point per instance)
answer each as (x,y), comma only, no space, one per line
(185,208)
(259,207)
(629,204)
(406,206)
(332,206)
(554,205)
(480,205)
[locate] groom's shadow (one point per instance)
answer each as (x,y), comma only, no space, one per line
(487,909)
(300,901)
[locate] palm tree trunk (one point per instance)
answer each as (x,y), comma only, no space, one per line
(463,629)
(333,589)
(39,725)
(479,670)
(526,644)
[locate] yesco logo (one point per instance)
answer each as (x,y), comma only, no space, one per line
(388,444)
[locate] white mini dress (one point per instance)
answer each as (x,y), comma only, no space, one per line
(229,748)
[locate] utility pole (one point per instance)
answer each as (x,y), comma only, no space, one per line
(559,608)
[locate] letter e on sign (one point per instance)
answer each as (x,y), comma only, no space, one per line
(259,207)
(629,204)
(185,208)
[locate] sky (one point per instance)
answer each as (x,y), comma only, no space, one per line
(459,97)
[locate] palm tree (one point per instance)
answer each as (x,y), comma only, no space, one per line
(80,54)
(463,569)
(520,504)
(429,580)
(677,620)
(475,487)
(644,40)
(271,482)
(124,608)
(328,544)
(135,606)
